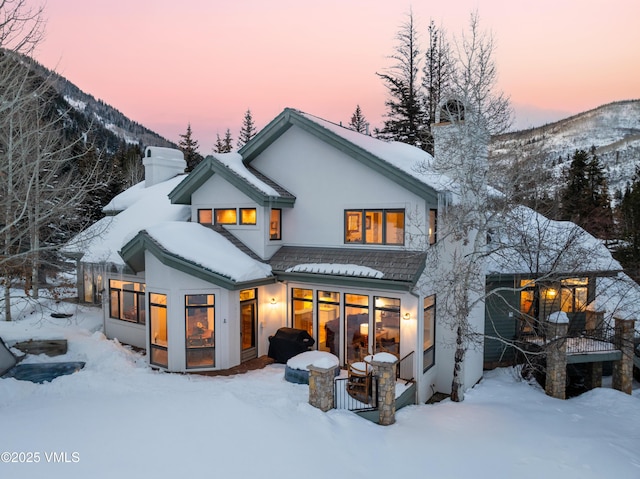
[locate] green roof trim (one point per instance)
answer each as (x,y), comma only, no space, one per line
(211,166)
(345,281)
(133,255)
(290,117)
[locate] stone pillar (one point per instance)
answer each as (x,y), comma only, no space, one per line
(623,369)
(594,375)
(386,373)
(556,381)
(321,387)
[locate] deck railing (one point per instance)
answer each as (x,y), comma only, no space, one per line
(404,368)
(343,400)
(600,339)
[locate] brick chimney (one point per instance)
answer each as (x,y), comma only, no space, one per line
(161,164)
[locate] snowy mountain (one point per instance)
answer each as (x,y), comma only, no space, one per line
(614,130)
(81,111)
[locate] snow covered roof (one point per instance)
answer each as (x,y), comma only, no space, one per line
(139,208)
(526,242)
(179,245)
(254,184)
(409,159)
(393,268)
(405,164)
(618,297)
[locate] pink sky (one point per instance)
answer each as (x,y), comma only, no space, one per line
(165,64)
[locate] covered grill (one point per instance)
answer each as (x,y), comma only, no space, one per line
(288,342)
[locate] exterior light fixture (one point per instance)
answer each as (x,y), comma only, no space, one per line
(273,301)
(406,316)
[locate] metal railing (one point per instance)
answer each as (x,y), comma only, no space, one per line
(601,339)
(404,368)
(343,400)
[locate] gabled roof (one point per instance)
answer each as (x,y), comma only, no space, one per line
(394,160)
(229,166)
(388,269)
(179,245)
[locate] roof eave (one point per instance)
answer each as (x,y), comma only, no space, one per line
(346,281)
(133,255)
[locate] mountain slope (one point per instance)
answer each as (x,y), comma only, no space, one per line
(614,130)
(110,127)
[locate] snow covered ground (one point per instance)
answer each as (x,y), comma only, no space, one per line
(117,418)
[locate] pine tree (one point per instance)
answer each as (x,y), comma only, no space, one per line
(247,131)
(435,78)
(219,146)
(405,108)
(189,148)
(629,219)
(223,145)
(227,141)
(585,198)
(358,122)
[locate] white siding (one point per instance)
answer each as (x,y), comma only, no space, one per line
(325,182)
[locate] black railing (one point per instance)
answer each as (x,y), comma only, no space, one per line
(342,399)
(601,339)
(404,368)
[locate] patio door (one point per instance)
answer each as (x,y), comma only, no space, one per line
(248,324)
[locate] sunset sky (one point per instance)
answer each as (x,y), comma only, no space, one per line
(167,63)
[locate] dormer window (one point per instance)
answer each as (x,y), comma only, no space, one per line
(228,216)
(205,217)
(248,216)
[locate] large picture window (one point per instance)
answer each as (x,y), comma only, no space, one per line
(539,300)
(200,330)
(303,309)
(126,301)
(329,322)
(356,312)
(387,325)
(158,329)
(374,226)
(428,332)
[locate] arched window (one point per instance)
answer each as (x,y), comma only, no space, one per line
(452,111)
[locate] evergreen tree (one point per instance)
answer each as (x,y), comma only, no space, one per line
(223,145)
(435,78)
(585,198)
(405,107)
(219,146)
(227,141)
(629,219)
(247,131)
(358,122)
(189,148)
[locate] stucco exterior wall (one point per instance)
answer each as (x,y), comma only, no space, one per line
(325,182)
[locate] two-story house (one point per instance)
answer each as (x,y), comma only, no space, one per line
(309,225)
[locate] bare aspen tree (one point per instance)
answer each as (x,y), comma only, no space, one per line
(471,110)
(44,181)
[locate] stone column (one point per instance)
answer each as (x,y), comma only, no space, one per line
(556,381)
(386,373)
(594,375)
(623,369)
(321,386)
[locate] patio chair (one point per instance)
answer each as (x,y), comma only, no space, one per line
(359,381)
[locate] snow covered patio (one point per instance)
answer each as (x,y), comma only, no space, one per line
(257,424)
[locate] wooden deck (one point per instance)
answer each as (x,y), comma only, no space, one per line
(251,365)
